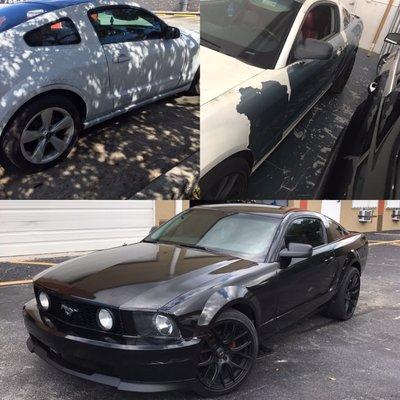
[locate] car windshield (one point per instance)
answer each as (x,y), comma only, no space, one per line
(253,31)
(12,15)
(239,234)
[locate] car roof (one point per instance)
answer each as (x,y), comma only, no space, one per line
(275,211)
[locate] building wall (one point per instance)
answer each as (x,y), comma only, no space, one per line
(349,209)
(349,218)
(166,209)
(387,223)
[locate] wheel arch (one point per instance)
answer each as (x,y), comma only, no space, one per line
(231,297)
(72,95)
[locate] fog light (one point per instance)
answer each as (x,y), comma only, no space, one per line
(44,301)
(105,319)
(164,325)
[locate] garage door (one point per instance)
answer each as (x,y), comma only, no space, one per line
(39,227)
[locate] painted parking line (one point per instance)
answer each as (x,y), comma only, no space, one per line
(43,264)
(376,243)
(13,283)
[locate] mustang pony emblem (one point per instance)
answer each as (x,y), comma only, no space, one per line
(68,310)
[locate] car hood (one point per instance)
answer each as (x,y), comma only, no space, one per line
(220,73)
(139,276)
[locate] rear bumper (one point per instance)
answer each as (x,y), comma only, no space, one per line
(139,367)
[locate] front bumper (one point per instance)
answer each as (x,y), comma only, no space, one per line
(144,367)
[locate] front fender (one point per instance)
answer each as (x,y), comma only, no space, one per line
(226,297)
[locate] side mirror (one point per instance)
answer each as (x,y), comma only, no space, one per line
(313,49)
(296,250)
(172,32)
(393,38)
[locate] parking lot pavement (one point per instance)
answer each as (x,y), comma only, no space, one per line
(295,168)
(317,359)
(122,157)
(187,22)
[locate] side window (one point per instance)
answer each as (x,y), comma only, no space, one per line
(307,231)
(320,23)
(58,33)
(125,24)
(335,231)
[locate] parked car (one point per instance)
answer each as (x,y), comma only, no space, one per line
(68,64)
(185,308)
(365,161)
(264,66)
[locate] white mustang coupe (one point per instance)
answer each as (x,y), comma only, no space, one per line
(68,64)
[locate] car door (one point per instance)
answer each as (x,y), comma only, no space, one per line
(309,79)
(142,62)
(303,281)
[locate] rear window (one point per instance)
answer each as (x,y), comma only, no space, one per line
(57,33)
(12,15)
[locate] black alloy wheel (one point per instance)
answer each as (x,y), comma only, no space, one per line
(343,305)
(228,354)
(352,294)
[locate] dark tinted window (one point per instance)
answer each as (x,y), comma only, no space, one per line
(307,231)
(125,24)
(12,15)
(57,33)
(334,231)
(253,30)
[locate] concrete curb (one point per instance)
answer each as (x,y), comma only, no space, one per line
(179,13)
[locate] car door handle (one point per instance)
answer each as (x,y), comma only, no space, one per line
(121,58)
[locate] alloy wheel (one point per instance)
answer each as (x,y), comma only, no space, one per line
(227,356)
(352,293)
(47,135)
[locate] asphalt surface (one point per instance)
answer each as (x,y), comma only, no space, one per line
(316,359)
(123,156)
(295,168)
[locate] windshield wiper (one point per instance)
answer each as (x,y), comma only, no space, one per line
(190,246)
(150,241)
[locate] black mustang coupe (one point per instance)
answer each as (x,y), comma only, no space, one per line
(186,307)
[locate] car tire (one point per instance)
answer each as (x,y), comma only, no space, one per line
(344,303)
(227,181)
(228,354)
(340,83)
(27,142)
(194,89)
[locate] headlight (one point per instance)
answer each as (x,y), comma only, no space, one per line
(149,324)
(105,319)
(163,324)
(44,301)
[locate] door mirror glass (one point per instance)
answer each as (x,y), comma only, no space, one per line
(313,49)
(172,33)
(393,38)
(296,250)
